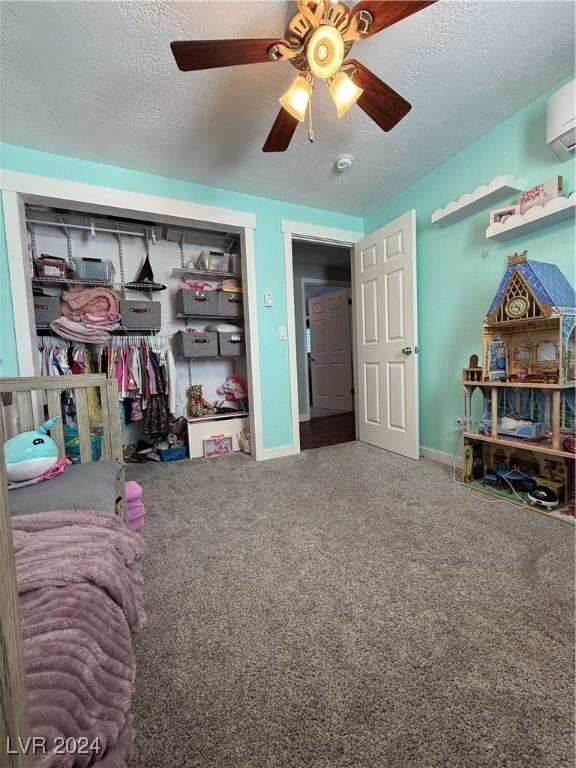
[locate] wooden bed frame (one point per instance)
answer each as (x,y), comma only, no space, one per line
(14,716)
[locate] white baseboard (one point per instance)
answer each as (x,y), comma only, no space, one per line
(278,453)
(427,453)
(440,456)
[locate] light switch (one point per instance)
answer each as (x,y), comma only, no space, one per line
(282,332)
(267,299)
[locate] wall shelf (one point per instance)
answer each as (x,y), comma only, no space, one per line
(64,282)
(217,416)
(182,274)
(226,318)
(114,332)
(483,197)
(538,217)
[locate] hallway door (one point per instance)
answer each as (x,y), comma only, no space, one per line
(331,345)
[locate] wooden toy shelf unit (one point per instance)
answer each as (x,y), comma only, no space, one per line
(525,439)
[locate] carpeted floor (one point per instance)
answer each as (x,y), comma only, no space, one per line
(348,608)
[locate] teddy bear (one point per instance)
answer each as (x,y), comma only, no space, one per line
(197,405)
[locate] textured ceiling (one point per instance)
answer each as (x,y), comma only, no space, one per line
(96,80)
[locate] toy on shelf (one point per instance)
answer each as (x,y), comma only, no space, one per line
(473,372)
(235,391)
(523,443)
(197,405)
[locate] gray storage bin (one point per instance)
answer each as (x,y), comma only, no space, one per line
(139,314)
(231,344)
(46,309)
(198,344)
(230,304)
(190,302)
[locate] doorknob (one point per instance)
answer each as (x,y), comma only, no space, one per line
(407,351)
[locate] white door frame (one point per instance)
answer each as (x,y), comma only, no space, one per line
(19,188)
(312,233)
(305,416)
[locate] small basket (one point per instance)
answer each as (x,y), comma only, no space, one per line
(173,454)
(72,443)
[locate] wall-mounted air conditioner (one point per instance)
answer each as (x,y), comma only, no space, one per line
(561,121)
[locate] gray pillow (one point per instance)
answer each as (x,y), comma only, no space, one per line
(82,487)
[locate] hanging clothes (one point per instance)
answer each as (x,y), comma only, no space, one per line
(59,357)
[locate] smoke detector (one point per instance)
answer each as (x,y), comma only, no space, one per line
(343,162)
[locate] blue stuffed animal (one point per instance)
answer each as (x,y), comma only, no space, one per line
(30,454)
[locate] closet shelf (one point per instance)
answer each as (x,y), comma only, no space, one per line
(181,316)
(116,331)
(538,217)
(65,282)
(483,196)
(218,416)
(178,274)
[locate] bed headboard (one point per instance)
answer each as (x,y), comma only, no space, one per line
(29,397)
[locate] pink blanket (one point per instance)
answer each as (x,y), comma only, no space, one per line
(80,588)
(93,301)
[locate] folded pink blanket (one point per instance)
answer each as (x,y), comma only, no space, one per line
(93,301)
(80,589)
(90,319)
(69,329)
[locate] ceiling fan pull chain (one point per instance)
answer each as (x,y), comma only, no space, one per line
(310,127)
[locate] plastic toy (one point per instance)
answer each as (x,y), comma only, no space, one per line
(235,391)
(30,454)
(542,496)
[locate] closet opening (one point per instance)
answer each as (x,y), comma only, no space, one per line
(158,304)
(323,322)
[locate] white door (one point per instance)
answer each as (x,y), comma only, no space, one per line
(386,337)
(331,347)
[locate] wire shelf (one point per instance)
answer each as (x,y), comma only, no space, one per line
(115,331)
(206,273)
(64,282)
(217,416)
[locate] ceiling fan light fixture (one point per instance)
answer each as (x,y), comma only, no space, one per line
(345,93)
(325,51)
(296,99)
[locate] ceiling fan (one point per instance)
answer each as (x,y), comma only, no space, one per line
(317,41)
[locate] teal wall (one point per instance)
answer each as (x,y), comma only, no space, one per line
(269,247)
(458,269)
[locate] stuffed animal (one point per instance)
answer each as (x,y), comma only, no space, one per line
(235,390)
(197,405)
(30,454)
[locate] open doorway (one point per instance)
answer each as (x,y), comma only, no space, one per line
(323,322)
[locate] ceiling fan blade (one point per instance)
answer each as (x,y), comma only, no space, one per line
(210,54)
(387,12)
(379,101)
(281,134)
